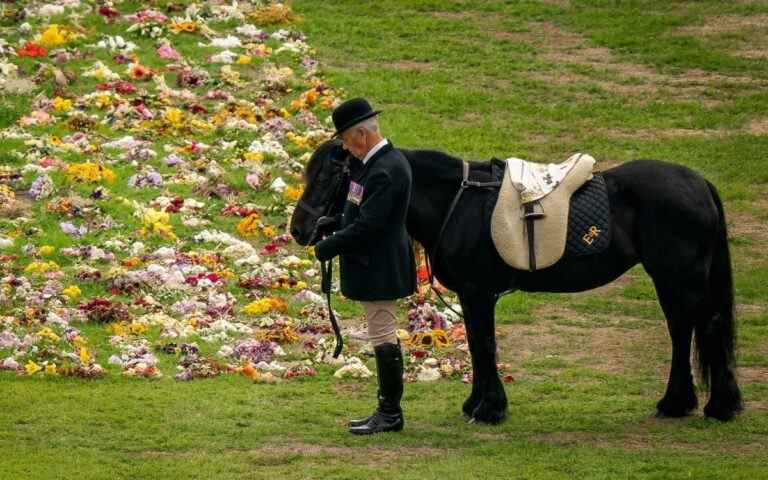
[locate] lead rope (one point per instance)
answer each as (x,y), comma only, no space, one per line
(326,274)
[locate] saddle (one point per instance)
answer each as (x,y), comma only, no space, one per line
(530,219)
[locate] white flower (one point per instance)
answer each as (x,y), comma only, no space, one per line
(5,242)
(249,30)
(9,364)
(225,351)
(224,57)
(427,374)
(354,368)
(50,10)
(230,41)
(100,71)
(137,248)
(116,44)
(251,260)
(278,184)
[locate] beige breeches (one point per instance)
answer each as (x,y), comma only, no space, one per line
(382,318)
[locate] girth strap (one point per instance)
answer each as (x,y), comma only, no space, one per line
(465,183)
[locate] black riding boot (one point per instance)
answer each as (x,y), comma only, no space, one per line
(388,417)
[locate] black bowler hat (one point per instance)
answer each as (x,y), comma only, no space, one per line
(350,113)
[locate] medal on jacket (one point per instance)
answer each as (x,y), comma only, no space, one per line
(355,194)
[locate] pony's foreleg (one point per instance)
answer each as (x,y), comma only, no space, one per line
(488,401)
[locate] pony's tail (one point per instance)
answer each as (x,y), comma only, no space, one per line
(716,331)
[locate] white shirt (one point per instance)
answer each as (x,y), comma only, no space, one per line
(375,149)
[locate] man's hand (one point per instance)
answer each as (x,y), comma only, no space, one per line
(322,252)
(326,223)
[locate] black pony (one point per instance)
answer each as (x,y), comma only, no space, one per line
(663,215)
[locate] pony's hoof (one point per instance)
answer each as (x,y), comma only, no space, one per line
(487,413)
(722,411)
(470,405)
(671,408)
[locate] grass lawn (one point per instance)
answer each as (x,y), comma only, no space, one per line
(680,81)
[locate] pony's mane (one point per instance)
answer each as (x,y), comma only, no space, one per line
(439,165)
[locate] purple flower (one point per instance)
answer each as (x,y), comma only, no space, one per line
(41,188)
(173,160)
(147,179)
(277,127)
(255,350)
(70,229)
(8,339)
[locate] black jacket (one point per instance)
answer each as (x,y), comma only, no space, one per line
(376,256)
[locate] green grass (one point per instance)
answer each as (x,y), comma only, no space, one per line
(476,79)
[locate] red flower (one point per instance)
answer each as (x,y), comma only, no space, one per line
(197,109)
(32,50)
(269,249)
(108,13)
(422,274)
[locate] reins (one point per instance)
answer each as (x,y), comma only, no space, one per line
(465,183)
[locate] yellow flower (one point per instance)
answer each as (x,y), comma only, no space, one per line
(103,100)
(32,368)
(89,172)
(174,117)
(178,27)
(298,140)
(48,333)
(52,36)
(85,357)
(41,267)
(269,231)
(152,216)
(293,193)
(137,328)
(265,305)
(243,60)
(62,104)
(72,292)
(249,225)
(46,250)
(164,230)
(50,369)
(254,156)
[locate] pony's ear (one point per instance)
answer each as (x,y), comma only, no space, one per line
(341,157)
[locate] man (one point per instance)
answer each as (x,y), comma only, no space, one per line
(377,264)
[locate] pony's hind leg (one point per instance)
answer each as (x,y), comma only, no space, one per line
(488,401)
(683,302)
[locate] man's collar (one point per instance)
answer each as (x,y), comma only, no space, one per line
(383,142)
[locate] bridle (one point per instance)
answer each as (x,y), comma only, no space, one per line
(326,268)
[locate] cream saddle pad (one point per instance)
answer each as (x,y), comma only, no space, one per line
(546,190)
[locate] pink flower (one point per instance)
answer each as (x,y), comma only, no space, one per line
(167,52)
(144,111)
(254,180)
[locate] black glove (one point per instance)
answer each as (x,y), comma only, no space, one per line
(322,252)
(326,223)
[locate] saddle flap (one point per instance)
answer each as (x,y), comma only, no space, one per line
(546,190)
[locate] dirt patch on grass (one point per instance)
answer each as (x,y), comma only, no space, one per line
(644,441)
(746,224)
(758,126)
(367,455)
(570,53)
(717,24)
(607,349)
(458,15)
(411,65)
(752,374)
